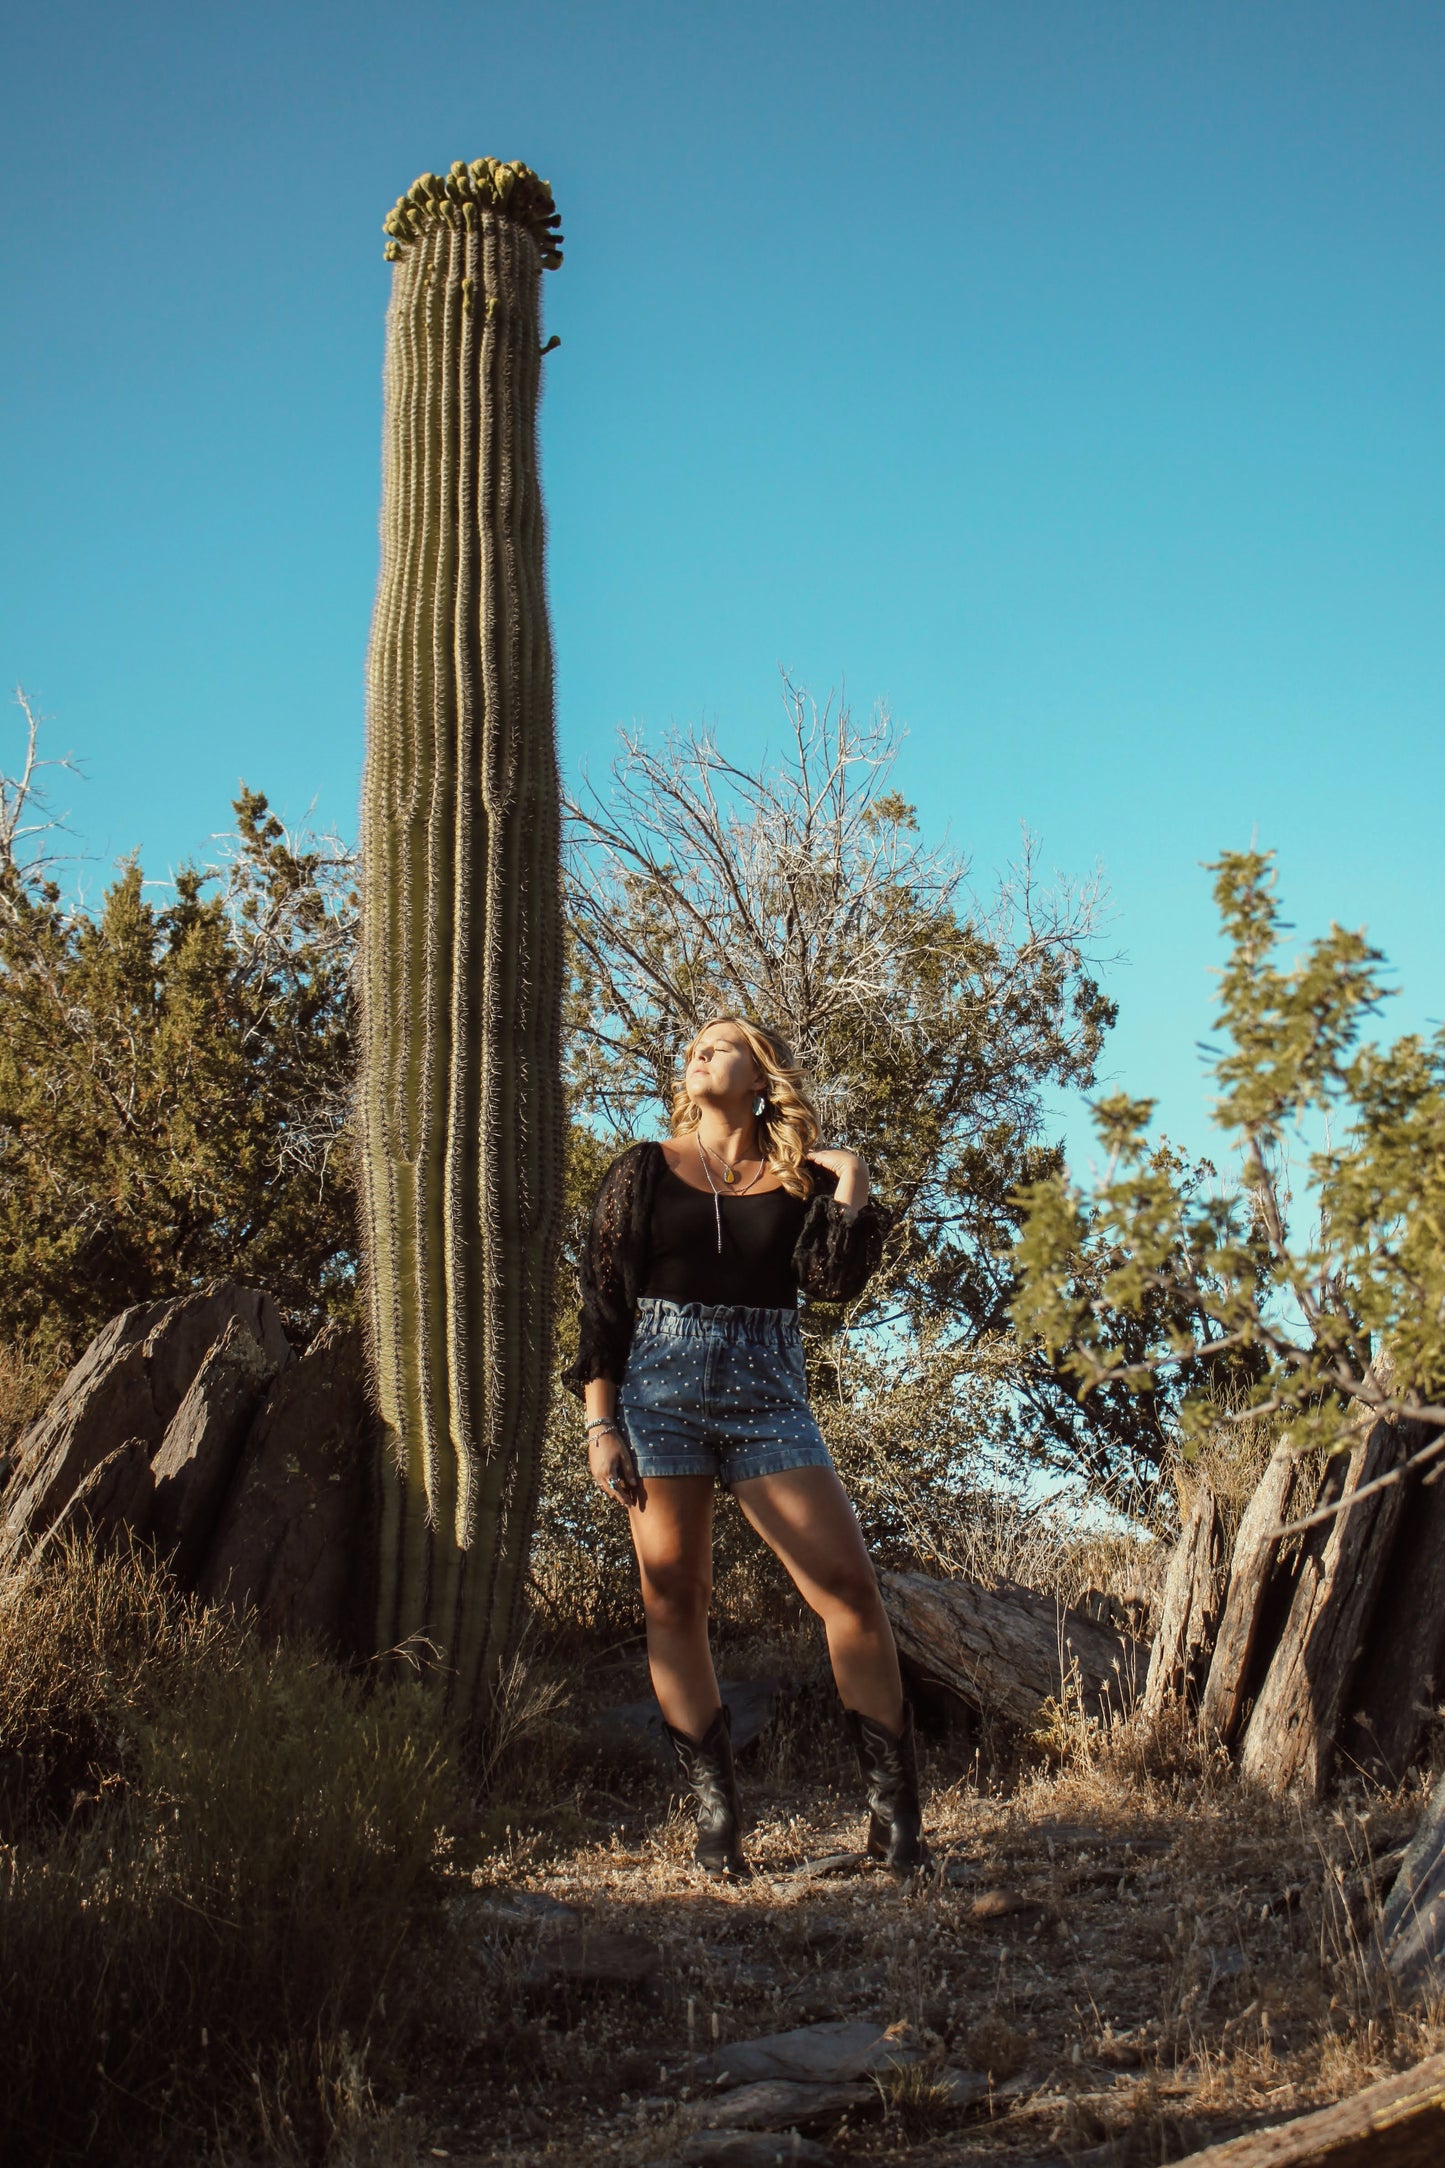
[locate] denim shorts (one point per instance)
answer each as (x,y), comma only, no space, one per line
(712,1389)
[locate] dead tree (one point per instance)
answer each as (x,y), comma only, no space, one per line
(1189,1612)
(1402,1669)
(1291,1739)
(1251,1571)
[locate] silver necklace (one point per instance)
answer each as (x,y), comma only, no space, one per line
(728,1176)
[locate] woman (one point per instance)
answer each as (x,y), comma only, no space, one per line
(691,1367)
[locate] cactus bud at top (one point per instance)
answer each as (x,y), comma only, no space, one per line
(486,184)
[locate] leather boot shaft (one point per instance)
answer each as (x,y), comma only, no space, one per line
(707,1766)
(888,1765)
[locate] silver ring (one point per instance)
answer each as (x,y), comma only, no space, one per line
(614,1482)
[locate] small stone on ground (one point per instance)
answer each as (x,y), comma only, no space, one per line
(780,2103)
(848,2048)
(749,2149)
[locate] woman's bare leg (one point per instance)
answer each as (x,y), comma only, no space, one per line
(804,1517)
(672,1535)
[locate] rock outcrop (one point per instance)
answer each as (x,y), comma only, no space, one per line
(287,1545)
(129,1383)
(197,1457)
(192,1425)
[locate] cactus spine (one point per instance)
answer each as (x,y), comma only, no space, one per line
(460,1110)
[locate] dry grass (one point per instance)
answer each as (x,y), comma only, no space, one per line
(1182,1960)
(249,1917)
(27,1382)
(217,1865)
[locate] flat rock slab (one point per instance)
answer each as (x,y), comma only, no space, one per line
(831,1864)
(846,2048)
(749,2149)
(787,2103)
(115,1497)
(1089,1839)
(638,1724)
(962,2088)
(521,1907)
(197,1456)
(287,1542)
(582,1960)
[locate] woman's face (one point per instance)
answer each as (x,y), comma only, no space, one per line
(721,1065)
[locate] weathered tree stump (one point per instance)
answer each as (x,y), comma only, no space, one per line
(1402,1671)
(1006,1650)
(1291,1738)
(1189,1612)
(1412,1928)
(1256,1547)
(1399,2123)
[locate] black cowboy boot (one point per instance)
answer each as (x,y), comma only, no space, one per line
(707,1764)
(889,1769)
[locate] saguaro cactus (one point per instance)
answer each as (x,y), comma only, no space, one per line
(460,1111)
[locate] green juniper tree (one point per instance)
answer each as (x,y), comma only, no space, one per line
(1155,1281)
(173,1082)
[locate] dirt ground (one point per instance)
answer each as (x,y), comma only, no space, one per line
(1126,1959)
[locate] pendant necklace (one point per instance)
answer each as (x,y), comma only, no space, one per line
(729,1177)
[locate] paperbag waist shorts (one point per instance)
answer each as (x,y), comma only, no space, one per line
(714,1389)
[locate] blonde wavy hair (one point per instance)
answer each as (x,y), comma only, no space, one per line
(790,1127)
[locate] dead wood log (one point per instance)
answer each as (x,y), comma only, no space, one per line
(1412,1926)
(1402,1671)
(1189,1612)
(1399,2123)
(1291,1738)
(1006,1650)
(1256,1547)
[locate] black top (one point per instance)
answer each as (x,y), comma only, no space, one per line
(833,1259)
(759,1234)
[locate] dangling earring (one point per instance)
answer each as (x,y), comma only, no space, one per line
(760,1104)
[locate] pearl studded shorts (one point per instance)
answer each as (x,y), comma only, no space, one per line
(712,1389)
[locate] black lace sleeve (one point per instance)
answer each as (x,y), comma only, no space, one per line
(836,1257)
(614,1266)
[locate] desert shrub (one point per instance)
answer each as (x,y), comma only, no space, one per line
(174,1086)
(28,1378)
(1308,1291)
(240,1871)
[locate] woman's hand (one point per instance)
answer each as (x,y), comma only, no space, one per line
(614,1471)
(852,1173)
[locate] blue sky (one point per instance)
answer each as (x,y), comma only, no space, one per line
(1067,375)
